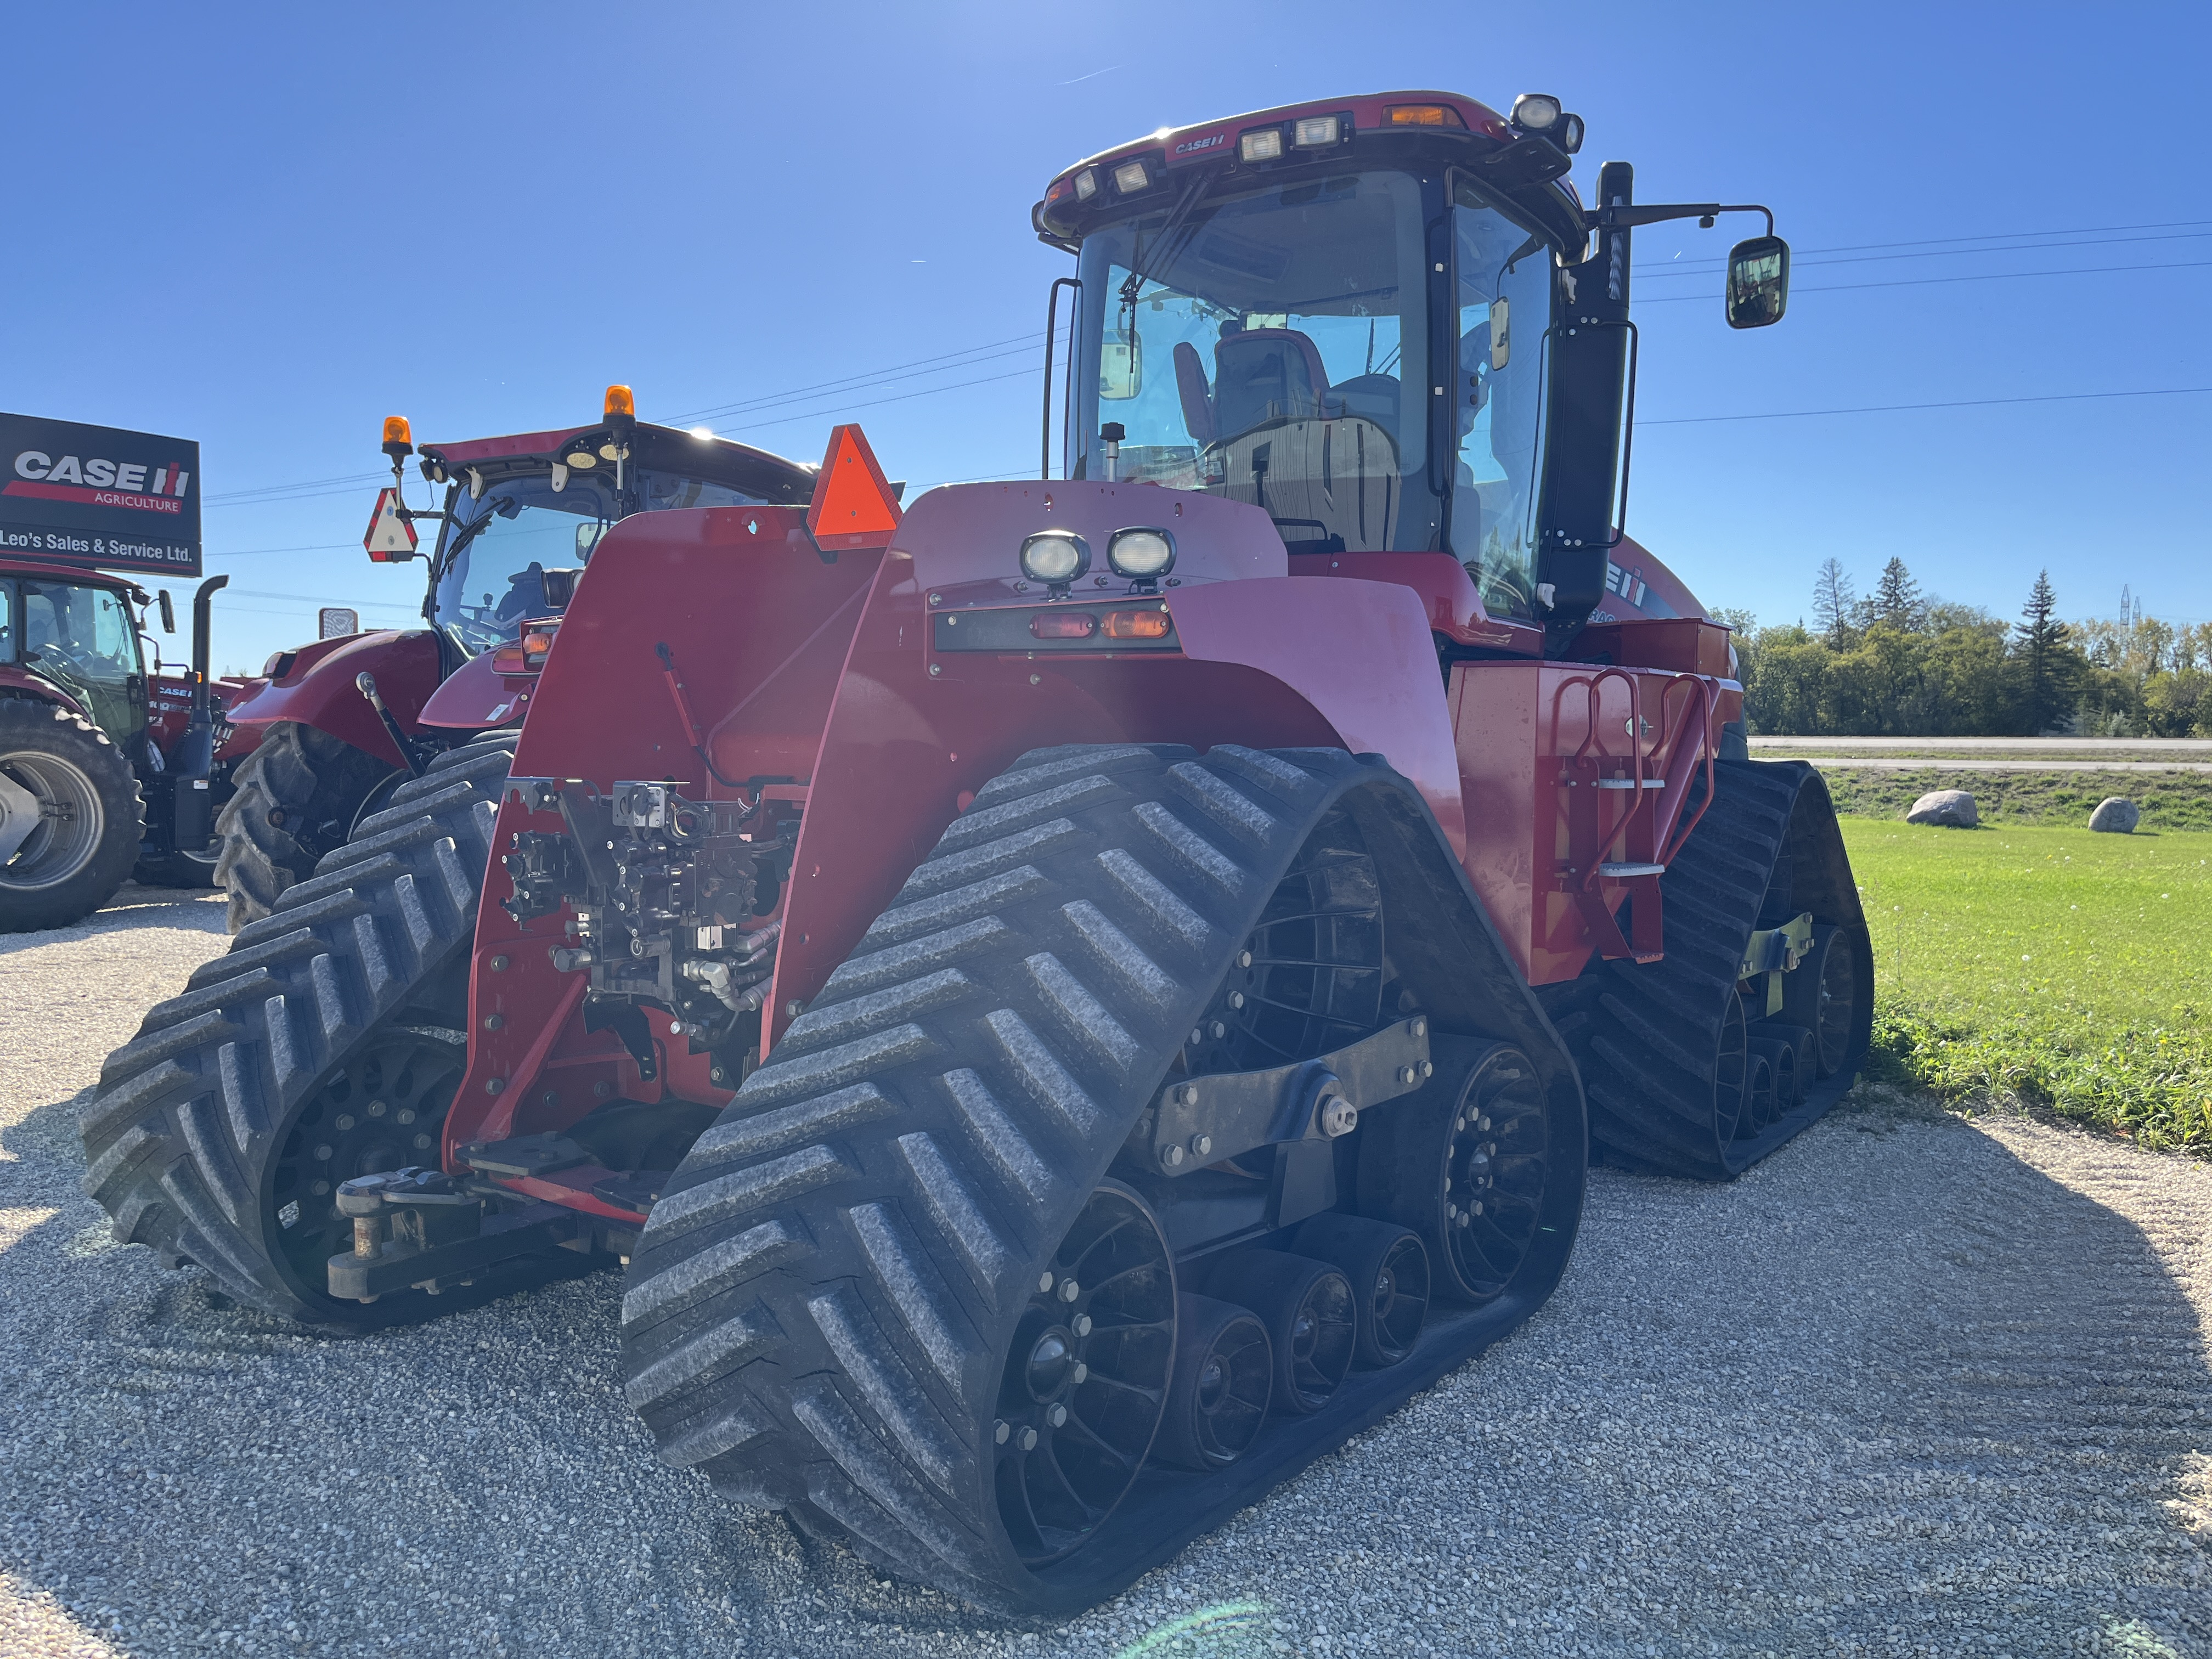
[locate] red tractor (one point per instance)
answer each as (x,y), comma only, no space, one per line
(327,734)
(107,766)
(1071,1002)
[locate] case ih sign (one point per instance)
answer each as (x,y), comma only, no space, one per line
(99,497)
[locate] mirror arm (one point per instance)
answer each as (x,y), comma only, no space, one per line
(1621,218)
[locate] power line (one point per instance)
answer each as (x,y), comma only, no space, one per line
(1962,403)
(1692,268)
(866,376)
(1926,281)
(814,413)
(1993,236)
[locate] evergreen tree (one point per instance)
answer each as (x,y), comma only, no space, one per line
(1833,598)
(2038,641)
(1897,598)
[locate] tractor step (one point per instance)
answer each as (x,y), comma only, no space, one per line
(524,1155)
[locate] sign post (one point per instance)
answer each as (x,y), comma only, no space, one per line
(99,497)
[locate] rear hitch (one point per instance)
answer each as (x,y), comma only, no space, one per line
(418,1229)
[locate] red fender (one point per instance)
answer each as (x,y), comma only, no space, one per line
(20,682)
(317,689)
(477,697)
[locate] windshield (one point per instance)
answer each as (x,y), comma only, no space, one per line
(83,639)
(1270,348)
(498,549)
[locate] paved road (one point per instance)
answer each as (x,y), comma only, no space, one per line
(1910,1386)
(2178,748)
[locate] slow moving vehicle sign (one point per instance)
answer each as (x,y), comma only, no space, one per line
(99,497)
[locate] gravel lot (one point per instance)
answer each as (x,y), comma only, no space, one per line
(1913,1386)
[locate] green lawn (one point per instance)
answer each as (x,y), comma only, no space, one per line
(2070,970)
(2170,800)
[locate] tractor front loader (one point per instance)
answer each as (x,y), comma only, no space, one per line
(1069,1002)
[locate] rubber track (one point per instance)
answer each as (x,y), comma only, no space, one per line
(188,1114)
(310,774)
(818,1309)
(1644,1036)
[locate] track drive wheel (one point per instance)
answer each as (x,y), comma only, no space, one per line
(295,798)
(327,1043)
(70,817)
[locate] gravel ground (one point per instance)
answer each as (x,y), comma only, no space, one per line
(1914,1386)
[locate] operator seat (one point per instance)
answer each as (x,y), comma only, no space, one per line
(1266,374)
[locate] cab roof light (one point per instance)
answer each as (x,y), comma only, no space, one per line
(1260,144)
(1131,177)
(1317,132)
(1536,111)
(1423,115)
(1086,184)
(398,437)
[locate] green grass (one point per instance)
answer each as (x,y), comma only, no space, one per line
(2068,971)
(2170,800)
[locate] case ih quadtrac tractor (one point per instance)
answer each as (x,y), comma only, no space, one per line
(318,748)
(1072,1001)
(107,769)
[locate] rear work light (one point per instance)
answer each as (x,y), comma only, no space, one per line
(1055,557)
(1136,625)
(1086,184)
(1317,132)
(1065,624)
(1143,554)
(1423,115)
(1264,144)
(1130,178)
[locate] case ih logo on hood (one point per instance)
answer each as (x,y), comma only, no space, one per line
(1191,146)
(146,488)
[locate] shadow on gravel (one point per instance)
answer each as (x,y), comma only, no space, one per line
(1898,1391)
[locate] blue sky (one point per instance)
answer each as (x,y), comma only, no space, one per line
(268,228)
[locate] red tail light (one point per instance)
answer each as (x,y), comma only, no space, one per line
(1063,625)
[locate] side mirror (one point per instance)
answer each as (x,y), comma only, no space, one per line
(168,611)
(1757,281)
(1122,367)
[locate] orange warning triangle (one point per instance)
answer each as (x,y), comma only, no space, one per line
(853,505)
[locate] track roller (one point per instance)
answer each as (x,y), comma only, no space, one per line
(1390,1273)
(1225,1377)
(1306,1307)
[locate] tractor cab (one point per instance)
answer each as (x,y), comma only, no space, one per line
(522,515)
(1390,323)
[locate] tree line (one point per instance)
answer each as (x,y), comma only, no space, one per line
(1898,663)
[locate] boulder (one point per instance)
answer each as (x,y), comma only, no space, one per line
(1953,808)
(2117,817)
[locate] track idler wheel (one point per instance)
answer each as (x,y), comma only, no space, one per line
(1823,996)
(1225,1378)
(1306,1307)
(1086,1377)
(1464,1166)
(1389,1268)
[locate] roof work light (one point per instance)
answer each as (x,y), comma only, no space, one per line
(1261,145)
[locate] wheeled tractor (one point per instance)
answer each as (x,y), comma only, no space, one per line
(1069,1001)
(330,732)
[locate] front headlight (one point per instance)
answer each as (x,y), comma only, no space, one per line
(1055,557)
(1141,553)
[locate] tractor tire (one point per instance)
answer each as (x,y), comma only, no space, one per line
(294,800)
(86,816)
(1667,1050)
(326,1044)
(916,1233)
(178,870)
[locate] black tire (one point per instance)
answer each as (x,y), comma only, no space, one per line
(88,816)
(1662,1047)
(226,1107)
(294,800)
(822,1312)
